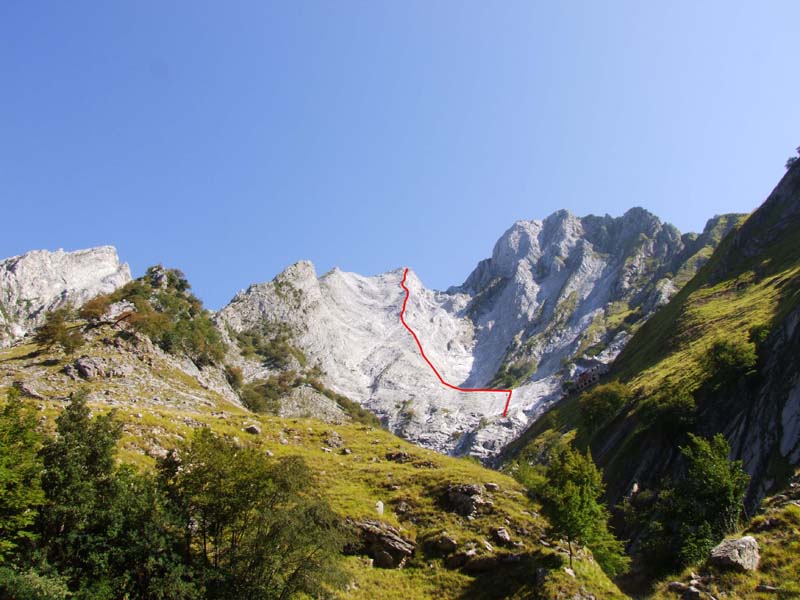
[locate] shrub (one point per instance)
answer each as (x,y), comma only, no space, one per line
(599,405)
(55,332)
(234,376)
(96,308)
(670,411)
(691,516)
(171,316)
(729,360)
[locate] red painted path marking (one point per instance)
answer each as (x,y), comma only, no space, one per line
(430,364)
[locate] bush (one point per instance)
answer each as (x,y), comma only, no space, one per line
(171,316)
(272,343)
(96,308)
(259,528)
(599,405)
(234,376)
(691,516)
(55,332)
(30,585)
(264,395)
(729,360)
(671,411)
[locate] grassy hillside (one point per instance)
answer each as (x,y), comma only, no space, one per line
(777,530)
(719,358)
(162,398)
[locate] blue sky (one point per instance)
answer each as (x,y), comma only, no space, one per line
(231,139)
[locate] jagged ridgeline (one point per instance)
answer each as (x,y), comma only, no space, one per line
(557,297)
(720,359)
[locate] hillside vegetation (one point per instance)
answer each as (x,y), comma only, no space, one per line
(717,359)
(445,514)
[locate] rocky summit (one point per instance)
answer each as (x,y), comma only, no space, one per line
(37,282)
(558,297)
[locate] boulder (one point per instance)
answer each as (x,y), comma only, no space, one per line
(89,368)
(399,456)
(501,536)
(333,439)
(446,544)
(381,542)
(481,564)
(253,429)
(466,499)
(741,555)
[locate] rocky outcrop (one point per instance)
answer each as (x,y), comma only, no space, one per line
(381,542)
(466,499)
(40,281)
(741,554)
(557,297)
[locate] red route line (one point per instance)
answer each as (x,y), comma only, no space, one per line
(430,364)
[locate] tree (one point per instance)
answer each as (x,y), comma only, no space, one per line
(255,528)
(56,332)
(106,529)
(691,516)
(20,471)
(571,503)
(79,486)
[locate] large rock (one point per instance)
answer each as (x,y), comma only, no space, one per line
(35,283)
(380,541)
(466,499)
(741,554)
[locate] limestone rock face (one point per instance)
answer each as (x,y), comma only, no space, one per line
(557,297)
(741,554)
(40,281)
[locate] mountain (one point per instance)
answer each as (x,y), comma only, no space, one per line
(556,298)
(719,358)
(35,283)
(424,525)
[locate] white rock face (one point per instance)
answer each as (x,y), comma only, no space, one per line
(41,281)
(553,291)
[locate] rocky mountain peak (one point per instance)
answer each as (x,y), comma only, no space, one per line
(557,295)
(40,281)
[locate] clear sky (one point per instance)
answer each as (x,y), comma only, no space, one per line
(231,139)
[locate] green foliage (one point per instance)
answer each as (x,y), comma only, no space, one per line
(170,315)
(272,343)
(55,332)
(729,360)
(234,376)
(686,520)
(258,529)
(94,309)
(602,403)
(105,528)
(671,411)
(31,585)
(264,395)
(353,409)
(20,468)
(571,501)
